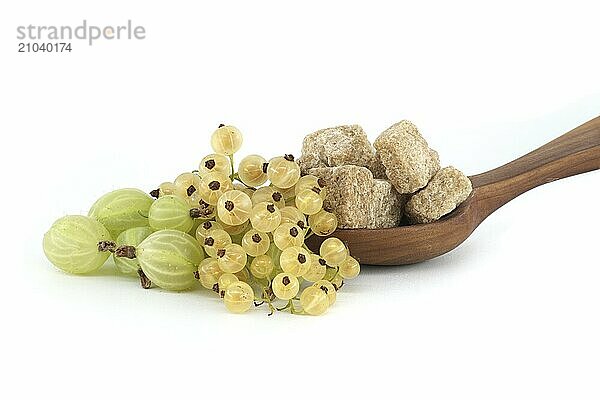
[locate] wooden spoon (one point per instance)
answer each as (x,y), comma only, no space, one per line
(573,153)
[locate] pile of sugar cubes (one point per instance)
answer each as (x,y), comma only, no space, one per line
(374,186)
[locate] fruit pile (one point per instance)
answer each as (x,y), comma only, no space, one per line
(223,228)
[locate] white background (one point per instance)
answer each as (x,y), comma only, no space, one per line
(512,313)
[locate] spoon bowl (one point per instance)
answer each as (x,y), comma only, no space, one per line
(575,152)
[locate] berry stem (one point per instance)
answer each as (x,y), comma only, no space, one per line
(144,281)
(107,245)
(294,311)
(290,305)
(236,177)
(125,251)
(232,176)
(337,272)
(267,298)
(250,276)
(285,307)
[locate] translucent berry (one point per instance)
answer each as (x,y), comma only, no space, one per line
(225,280)
(288,235)
(239,297)
(234,207)
(309,182)
(205,228)
(219,163)
(316,270)
(333,251)
(293,216)
(188,182)
(213,186)
(216,240)
(255,243)
(265,217)
(328,288)
(283,172)
(295,260)
(285,286)
(226,139)
(270,195)
(209,272)
(323,223)
(262,266)
(252,170)
(309,202)
(170,189)
(349,268)
(232,258)
(314,301)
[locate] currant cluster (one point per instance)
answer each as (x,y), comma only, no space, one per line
(239,233)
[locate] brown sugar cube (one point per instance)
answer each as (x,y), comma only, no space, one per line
(349,193)
(409,162)
(387,205)
(446,190)
(377,168)
(337,146)
(358,200)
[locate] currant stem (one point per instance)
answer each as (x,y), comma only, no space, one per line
(267,298)
(337,271)
(335,275)
(250,274)
(232,176)
(237,178)
(296,312)
(285,307)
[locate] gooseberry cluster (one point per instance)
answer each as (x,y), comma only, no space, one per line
(228,230)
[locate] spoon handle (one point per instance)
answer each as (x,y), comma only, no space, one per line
(573,153)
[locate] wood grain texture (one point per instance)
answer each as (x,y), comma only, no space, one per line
(573,153)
